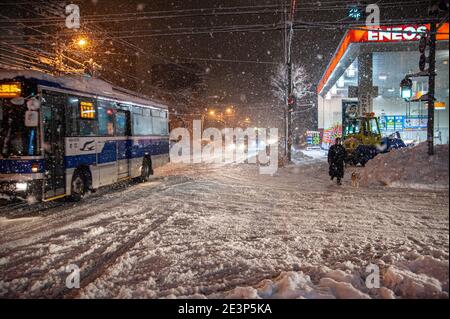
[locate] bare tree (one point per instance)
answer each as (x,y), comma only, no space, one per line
(279,82)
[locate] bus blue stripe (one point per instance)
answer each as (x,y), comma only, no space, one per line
(126,150)
(10,166)
(78,160)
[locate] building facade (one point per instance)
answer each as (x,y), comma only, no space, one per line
(365,73)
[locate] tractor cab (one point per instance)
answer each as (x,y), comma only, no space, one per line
(361,138)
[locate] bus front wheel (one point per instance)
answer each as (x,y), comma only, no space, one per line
(79,186)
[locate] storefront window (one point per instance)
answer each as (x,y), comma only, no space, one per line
(409,118)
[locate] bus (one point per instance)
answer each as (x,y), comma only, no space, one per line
(64,136)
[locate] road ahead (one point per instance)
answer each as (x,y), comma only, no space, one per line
(204,230)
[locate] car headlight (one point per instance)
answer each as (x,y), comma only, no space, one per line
(21,187)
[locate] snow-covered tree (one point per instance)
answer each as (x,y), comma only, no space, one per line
(279,82)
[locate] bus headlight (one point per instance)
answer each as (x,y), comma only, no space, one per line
(35,167)
(21,187)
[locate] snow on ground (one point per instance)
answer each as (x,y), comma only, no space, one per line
(223,231)
(409,167)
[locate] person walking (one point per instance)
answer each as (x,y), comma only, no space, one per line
(336,160)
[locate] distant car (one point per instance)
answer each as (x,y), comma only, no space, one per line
(392,142)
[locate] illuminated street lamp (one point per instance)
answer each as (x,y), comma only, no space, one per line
(212,113)
(82,42)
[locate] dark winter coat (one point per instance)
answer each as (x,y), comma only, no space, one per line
(336,158)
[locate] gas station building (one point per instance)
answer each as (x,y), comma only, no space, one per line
(365,73)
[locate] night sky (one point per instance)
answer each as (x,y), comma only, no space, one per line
(250,82)
(236,82)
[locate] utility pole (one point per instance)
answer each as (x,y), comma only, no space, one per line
(289,100)
(431,88)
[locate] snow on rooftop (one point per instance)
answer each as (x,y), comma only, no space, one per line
(84,84)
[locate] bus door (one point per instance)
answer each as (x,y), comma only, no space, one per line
(54,146)
(123,131)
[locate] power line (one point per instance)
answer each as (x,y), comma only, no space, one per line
(227,60)
(208,12)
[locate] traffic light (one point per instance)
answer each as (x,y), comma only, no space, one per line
(422,49)
(291,103)
(406,89)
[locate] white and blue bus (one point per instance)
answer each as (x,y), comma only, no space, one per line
(64,136)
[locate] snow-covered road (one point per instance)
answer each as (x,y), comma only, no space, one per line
(205,230)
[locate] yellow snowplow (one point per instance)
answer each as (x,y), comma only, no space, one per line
(361,138)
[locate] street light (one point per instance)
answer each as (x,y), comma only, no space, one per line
(81,42)
(212,113)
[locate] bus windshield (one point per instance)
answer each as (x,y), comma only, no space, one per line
(15,138)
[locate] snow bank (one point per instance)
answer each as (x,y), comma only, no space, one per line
(409,168)
(425,277)
(306,156)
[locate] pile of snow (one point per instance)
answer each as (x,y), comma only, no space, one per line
(425,277)
(308,156)
(409,168)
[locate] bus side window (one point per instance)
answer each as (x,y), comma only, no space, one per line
(156,119)
(121,124)
(88,127)
(139,121)
(72,116)
(165,123)
(75,124)
(148,121)
(105,121)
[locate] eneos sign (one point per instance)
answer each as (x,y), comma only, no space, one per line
(383,34)
(397,33)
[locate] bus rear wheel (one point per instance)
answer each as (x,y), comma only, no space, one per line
(79,186)
(147,170)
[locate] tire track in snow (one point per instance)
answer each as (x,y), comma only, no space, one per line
(99,267)
(80,215)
